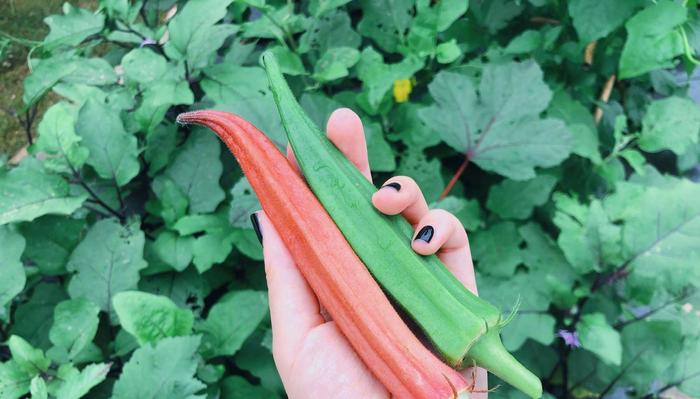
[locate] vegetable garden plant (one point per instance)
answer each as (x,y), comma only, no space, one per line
(563,134)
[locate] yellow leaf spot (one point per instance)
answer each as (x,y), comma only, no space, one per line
(402,88)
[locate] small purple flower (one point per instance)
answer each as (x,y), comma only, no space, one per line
(147,42)
(570,338)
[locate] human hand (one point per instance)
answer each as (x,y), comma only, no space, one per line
(312,356)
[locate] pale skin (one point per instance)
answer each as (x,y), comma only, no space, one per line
(312,356)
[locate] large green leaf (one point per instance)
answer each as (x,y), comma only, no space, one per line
(30,359)
(47,193)
(75,384)
(386,22)
(106,262)
(150,318)
(50,241)
(196,170)
(600,338)
(378,78)
(499,127)
(14,381)
(595,19)
(11,268)
(59,141)
(516,199)
(161,371)
(193,35)
(224,335)
(245,92)
(672,123)
(73,27)
(661,242)
(589,240)
(653,39)
(113,151)
(74,326)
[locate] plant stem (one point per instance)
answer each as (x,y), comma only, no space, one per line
(456,176)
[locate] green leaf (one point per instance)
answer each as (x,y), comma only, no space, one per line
(381,156)
(37,388)
(652,39)
(196,170)
(74,326)
(672,123)
(11,268)
(590,241)
(163,371)
(243,203)
(320,7)
(193,34)
(495,14)
(496,249)
(378,78)
(106,262)
(535,326)
(448,52)
(596,19)
(661,242)
(334,63)
(174,250)
(425,172)
(44,76)
(92,71)
(172,203)
(150,318)
(580,122)
(159,96)
(285,23)
(448,11)
(386,22)
(71,28)
(245,92)
(143,65)
(50,240)
(59,141)
(526,42)
(290,62)
(468,211)
(516,199)
(649,347)
(601,338)
(224,335)
(327,32)
(236,387)
(48,193)
(76,384)
(212,248)
(499,128)
(113,151)
(33,319)
(31,360)
(186,289)
(14,381)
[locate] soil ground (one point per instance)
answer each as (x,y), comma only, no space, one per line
(21,19)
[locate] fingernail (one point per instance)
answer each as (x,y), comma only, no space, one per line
(425,234)
(256,225)
(394,185)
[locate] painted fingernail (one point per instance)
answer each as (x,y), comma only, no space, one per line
(256,225)
(396,186)
(425,234)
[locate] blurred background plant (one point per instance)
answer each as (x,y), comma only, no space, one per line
(563,134)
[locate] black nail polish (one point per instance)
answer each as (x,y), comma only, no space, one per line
(396,186)
(425,234)
(256,225)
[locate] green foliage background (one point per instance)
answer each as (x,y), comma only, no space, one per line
(128,268)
